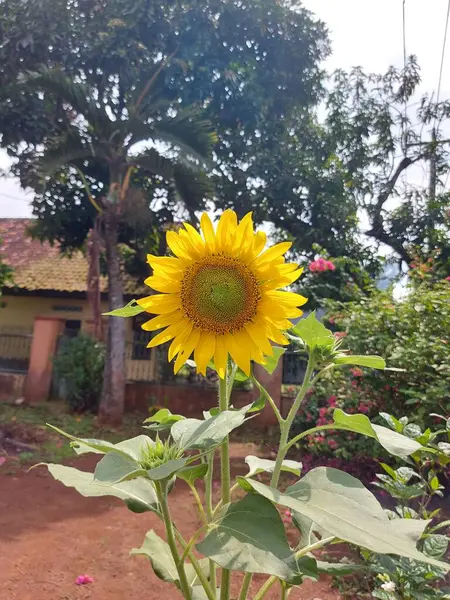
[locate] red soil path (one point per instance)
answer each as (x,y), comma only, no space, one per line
(49,534)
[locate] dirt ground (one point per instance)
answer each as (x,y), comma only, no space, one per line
(49,535)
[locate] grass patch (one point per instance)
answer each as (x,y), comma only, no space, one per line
(26,424)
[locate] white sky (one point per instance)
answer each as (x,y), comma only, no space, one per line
(363,33)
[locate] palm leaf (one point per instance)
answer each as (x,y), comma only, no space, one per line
(192,187)
(153,162)
(79,95)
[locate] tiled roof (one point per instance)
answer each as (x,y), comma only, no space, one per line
(40,266)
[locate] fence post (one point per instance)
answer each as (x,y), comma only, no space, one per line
(45,335)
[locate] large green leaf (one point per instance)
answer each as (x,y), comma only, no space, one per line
(263,465)
(343,506)
(313,332)
(162,419)
(374,362)
(249,536)
(191,474)
(158,551)
(115,467)
(130,310)
(395,443)
(339,569)
(138,494)
(192,434)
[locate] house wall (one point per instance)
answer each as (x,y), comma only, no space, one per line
(18,314)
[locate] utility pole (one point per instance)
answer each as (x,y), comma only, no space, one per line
(432,184)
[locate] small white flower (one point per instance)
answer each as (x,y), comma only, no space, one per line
(388,586)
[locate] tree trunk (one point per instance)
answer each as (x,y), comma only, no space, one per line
(113,393)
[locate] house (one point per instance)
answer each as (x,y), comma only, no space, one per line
(47,300)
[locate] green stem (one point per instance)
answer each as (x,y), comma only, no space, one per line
(245,586)
(285,426)
(161,490)
(284,591)
(210,592)
(199,504)
(188,547)
(304,434)
(312,547)
(265,588)
(209,511)
(226,477)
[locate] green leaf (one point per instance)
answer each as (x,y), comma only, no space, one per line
(436,545)
(263,465)
(158,551)
(271,362)
(161,420)
(374,362)
(167,469)
(138,494)
(313,332)
(344,507)
(130,310)
(412,431)
(192,434)
(249,536)
(434,483)
(115,468)
(261,401)
(191,474)
(395,443)
(393,423)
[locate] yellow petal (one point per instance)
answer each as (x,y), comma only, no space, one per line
(275,335)
(166,335)
(272,253)
(289,298)
(258,334)
(226,230)
(221,356)
(164,284)
(259,242)
(195,237)
(208,232)
(163,321)
(187,350)
(239,346)
(160,303)
(204,351)
(176,244)
(179,341)
(168,263)
(244,231)
(193,250)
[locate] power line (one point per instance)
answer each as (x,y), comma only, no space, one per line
(443,52)
(404,34)
(14,197)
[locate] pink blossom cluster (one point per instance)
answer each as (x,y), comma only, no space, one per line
(320,265)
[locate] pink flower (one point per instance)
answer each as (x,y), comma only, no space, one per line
(340,334)
(84,579)
(448,278)
(332,401)
(321,265)
(356,372)
(322,412)
(2,460)
(332,444)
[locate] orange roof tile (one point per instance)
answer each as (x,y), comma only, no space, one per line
(40,266)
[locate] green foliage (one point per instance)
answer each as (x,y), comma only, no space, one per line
(413,488)
(79,365)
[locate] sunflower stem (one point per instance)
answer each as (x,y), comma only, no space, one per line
(245,586)
(209,510)
(265,588)
(285,427)
(161,491)
(225,472)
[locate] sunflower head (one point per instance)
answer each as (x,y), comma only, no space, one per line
(220,294)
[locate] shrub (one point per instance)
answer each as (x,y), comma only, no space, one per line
(79,364)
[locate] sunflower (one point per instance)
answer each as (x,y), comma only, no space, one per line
(220,294)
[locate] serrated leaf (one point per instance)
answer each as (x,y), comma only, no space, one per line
(130,310)
(313,332)
(343,506)
(138,494)
(115,468)
(249,536)
(395,443)
(167,469)
(163,419)
(271,362)
(262,465)
(191,474)
(193,434)
(373,362)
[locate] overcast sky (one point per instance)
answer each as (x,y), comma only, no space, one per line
(363,33)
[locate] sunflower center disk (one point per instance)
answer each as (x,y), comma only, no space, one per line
(220,294)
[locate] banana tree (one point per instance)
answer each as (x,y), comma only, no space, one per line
(139,131)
